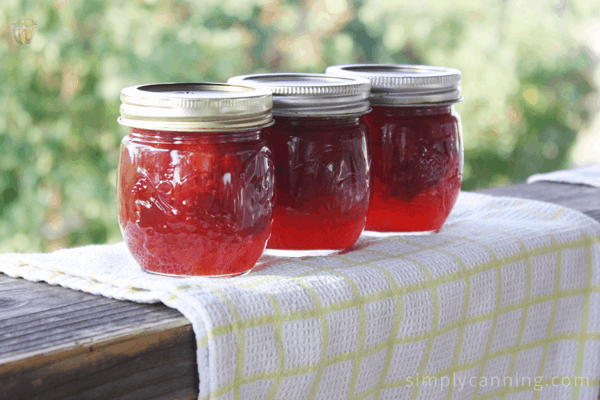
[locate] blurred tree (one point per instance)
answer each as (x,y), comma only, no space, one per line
(527,78)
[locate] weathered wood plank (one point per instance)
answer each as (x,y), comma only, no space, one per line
(57,343)
(578,197)
(157,360)
(35,316)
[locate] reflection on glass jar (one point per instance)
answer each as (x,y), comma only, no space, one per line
(322,182)
(416,144)
(195,202)
(322,164)
(417,172)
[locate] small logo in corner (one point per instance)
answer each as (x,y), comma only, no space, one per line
(24,30)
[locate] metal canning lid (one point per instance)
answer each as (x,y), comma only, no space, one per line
(312,95)
(191,107)
(405,85)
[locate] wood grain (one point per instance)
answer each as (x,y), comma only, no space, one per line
(35,316)
(578,197)
(57,343)
(155,360)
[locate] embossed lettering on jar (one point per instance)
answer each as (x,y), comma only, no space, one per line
(195,198)
(416,143)
(321,160)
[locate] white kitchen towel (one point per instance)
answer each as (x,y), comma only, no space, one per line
(504,302)
(583,176)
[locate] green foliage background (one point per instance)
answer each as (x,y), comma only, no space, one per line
(527,81)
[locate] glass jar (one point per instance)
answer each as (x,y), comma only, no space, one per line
(195,185)
(321,161)
(416,145)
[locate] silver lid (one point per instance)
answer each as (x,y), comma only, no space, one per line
(397,85)
(312,95)
(191,107)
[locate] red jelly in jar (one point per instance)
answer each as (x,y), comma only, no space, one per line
(195,187)
(416,146)
(321,161)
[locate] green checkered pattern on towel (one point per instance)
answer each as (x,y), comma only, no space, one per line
(503,293)
(503,303)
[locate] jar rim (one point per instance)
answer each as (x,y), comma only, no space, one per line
(405,84)
(306,94)
(198,106)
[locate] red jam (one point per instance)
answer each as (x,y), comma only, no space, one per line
(322,176)
(192,203)
(416,168)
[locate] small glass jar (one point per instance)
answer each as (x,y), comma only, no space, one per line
(416,145)
(195,185)
(321,161)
